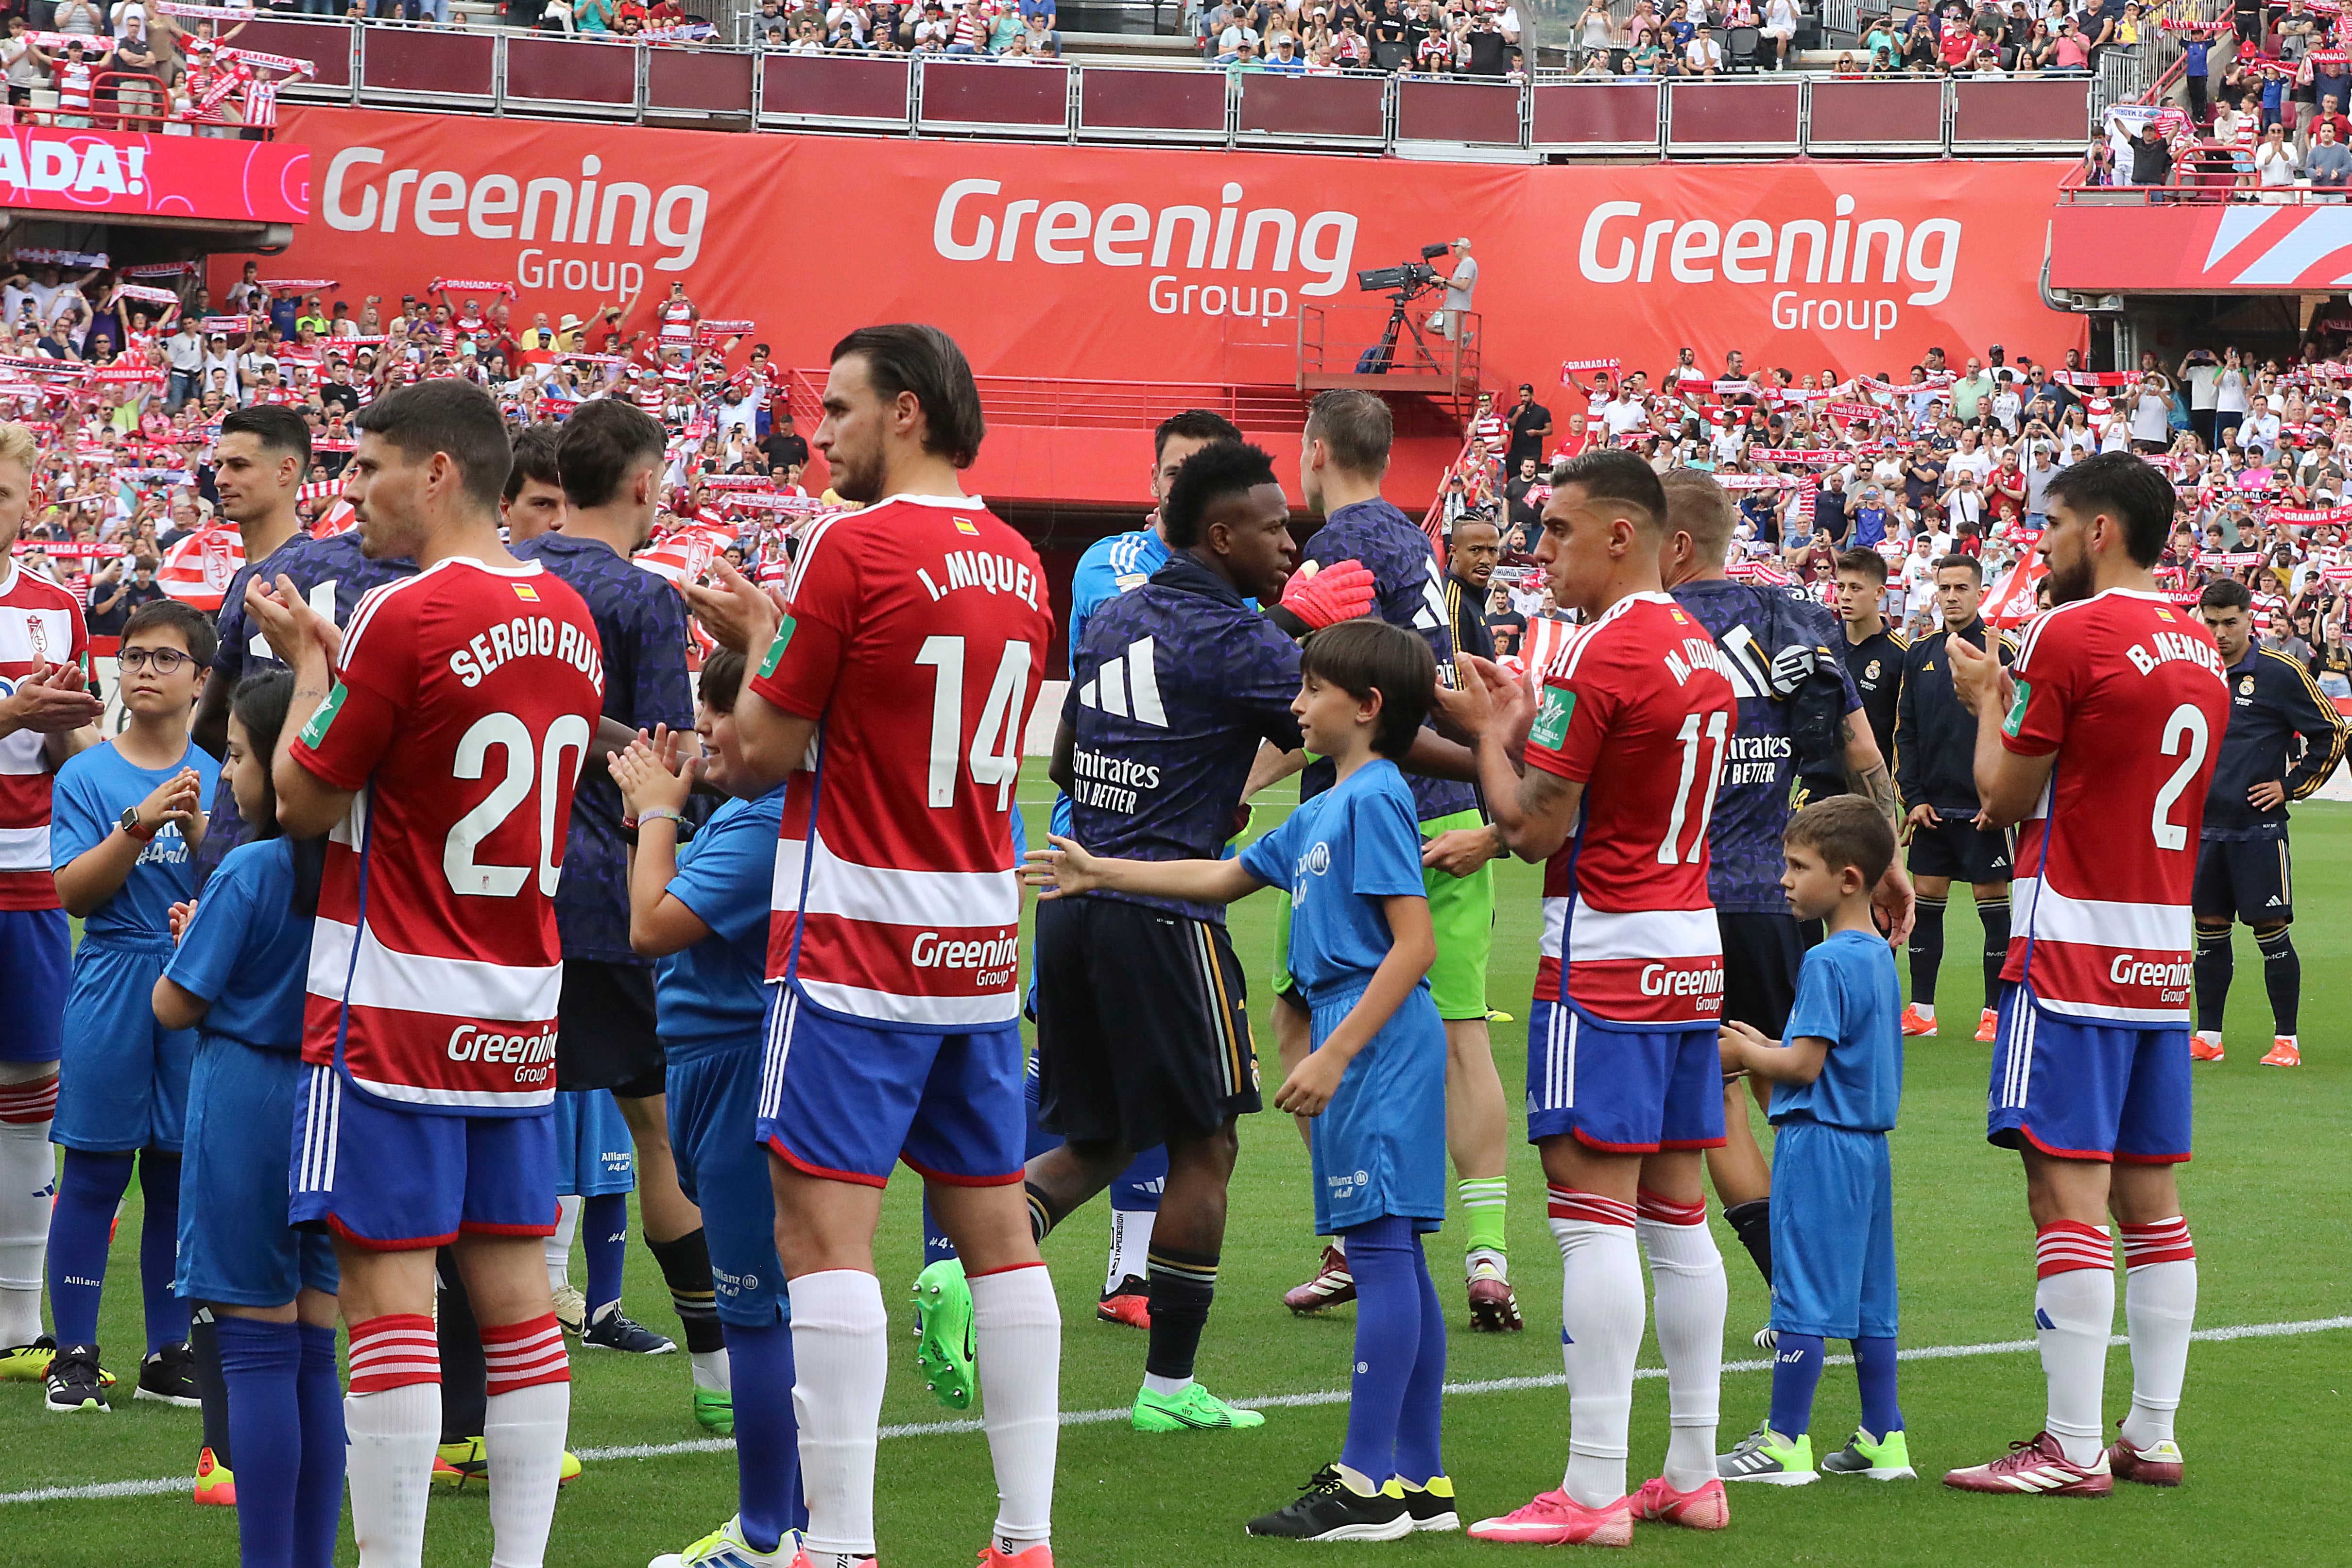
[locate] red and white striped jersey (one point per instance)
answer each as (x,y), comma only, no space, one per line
(1636,708)
(260,103)
(40,623)
(916,638)
(72,78)
(676,318)
(2129,692)
(466,702)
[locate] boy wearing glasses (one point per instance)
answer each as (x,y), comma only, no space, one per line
(126,822)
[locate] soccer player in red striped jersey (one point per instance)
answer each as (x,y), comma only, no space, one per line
(893,692)
(1614,786)
(2099,744)
(440,736)
(48,714)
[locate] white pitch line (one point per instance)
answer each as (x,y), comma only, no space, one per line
(101,1490)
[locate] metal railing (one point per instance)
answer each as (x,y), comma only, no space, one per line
(548,75)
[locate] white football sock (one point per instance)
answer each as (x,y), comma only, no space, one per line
(1687,1270)
(712,1370)
(559,1246)
(2160,1308)
(1924,1009)
(28,1175)
(389,1465)
(1602,1313)
(2074,1314)
(1016,1330)
(840,1358)
(1130,1246)
(522,1438)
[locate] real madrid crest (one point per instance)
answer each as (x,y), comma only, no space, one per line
(1870,671)
(2245,685)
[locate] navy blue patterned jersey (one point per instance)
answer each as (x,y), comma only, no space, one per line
(640,620)
(332,574)
(1170,691)
(1754,624)
(1409,593)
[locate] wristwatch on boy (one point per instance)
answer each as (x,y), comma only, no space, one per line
(130,824)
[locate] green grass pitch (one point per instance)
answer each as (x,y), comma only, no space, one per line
(2264,1198)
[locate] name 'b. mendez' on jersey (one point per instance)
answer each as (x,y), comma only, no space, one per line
(916,639)
(462,711)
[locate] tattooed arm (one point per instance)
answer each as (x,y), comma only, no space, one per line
(1866,775)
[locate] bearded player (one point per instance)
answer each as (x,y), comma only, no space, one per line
(439,739)
(893,692)
(2100,749)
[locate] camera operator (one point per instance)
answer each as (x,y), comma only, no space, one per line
(1459,289)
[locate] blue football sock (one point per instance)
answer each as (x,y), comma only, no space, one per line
(318,1488)
(604,1231)
(1137,1188)
(767,1438)
(159,1250)
(1874,1368)
(1796,1374)
(1388,1341)
(81,1227)
(937,1248)
(261,1364)
(1417,1456)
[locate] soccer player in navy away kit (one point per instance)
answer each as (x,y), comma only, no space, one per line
(2284,741)
(1343,453)
(1143,1018)
(1934,747)
(129,819)
(48,714)
(1872,646)
(909,659)
(610,461)
(2102,759)
(1795,704)
(238,979)
(701,911)
(1372,1085)
(1109,568)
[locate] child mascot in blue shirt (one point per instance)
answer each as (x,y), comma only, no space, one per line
(1374,1085)
(1836,1084)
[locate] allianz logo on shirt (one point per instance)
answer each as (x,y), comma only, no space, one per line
(1127,685)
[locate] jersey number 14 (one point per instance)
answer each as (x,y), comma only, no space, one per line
(995,756)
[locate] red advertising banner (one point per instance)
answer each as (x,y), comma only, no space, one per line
(2203,248)
(1132,264)
(102,171)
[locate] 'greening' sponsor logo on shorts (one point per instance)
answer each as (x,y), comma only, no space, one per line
(314,732)
(1550,726)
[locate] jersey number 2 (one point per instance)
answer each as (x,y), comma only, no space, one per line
(526,765)
(996,745)
(2184,731)
(1670,851)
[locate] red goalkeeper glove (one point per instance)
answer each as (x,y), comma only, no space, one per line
(1341,591)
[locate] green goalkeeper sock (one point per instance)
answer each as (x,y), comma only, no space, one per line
(1485,1202)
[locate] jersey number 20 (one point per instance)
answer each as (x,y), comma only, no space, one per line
(527,764)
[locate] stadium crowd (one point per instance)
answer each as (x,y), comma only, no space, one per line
(1949,457)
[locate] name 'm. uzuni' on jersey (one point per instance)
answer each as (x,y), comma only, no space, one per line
(2129,691)
(465,704)
(916,639)
(40,623)
(1637,709)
